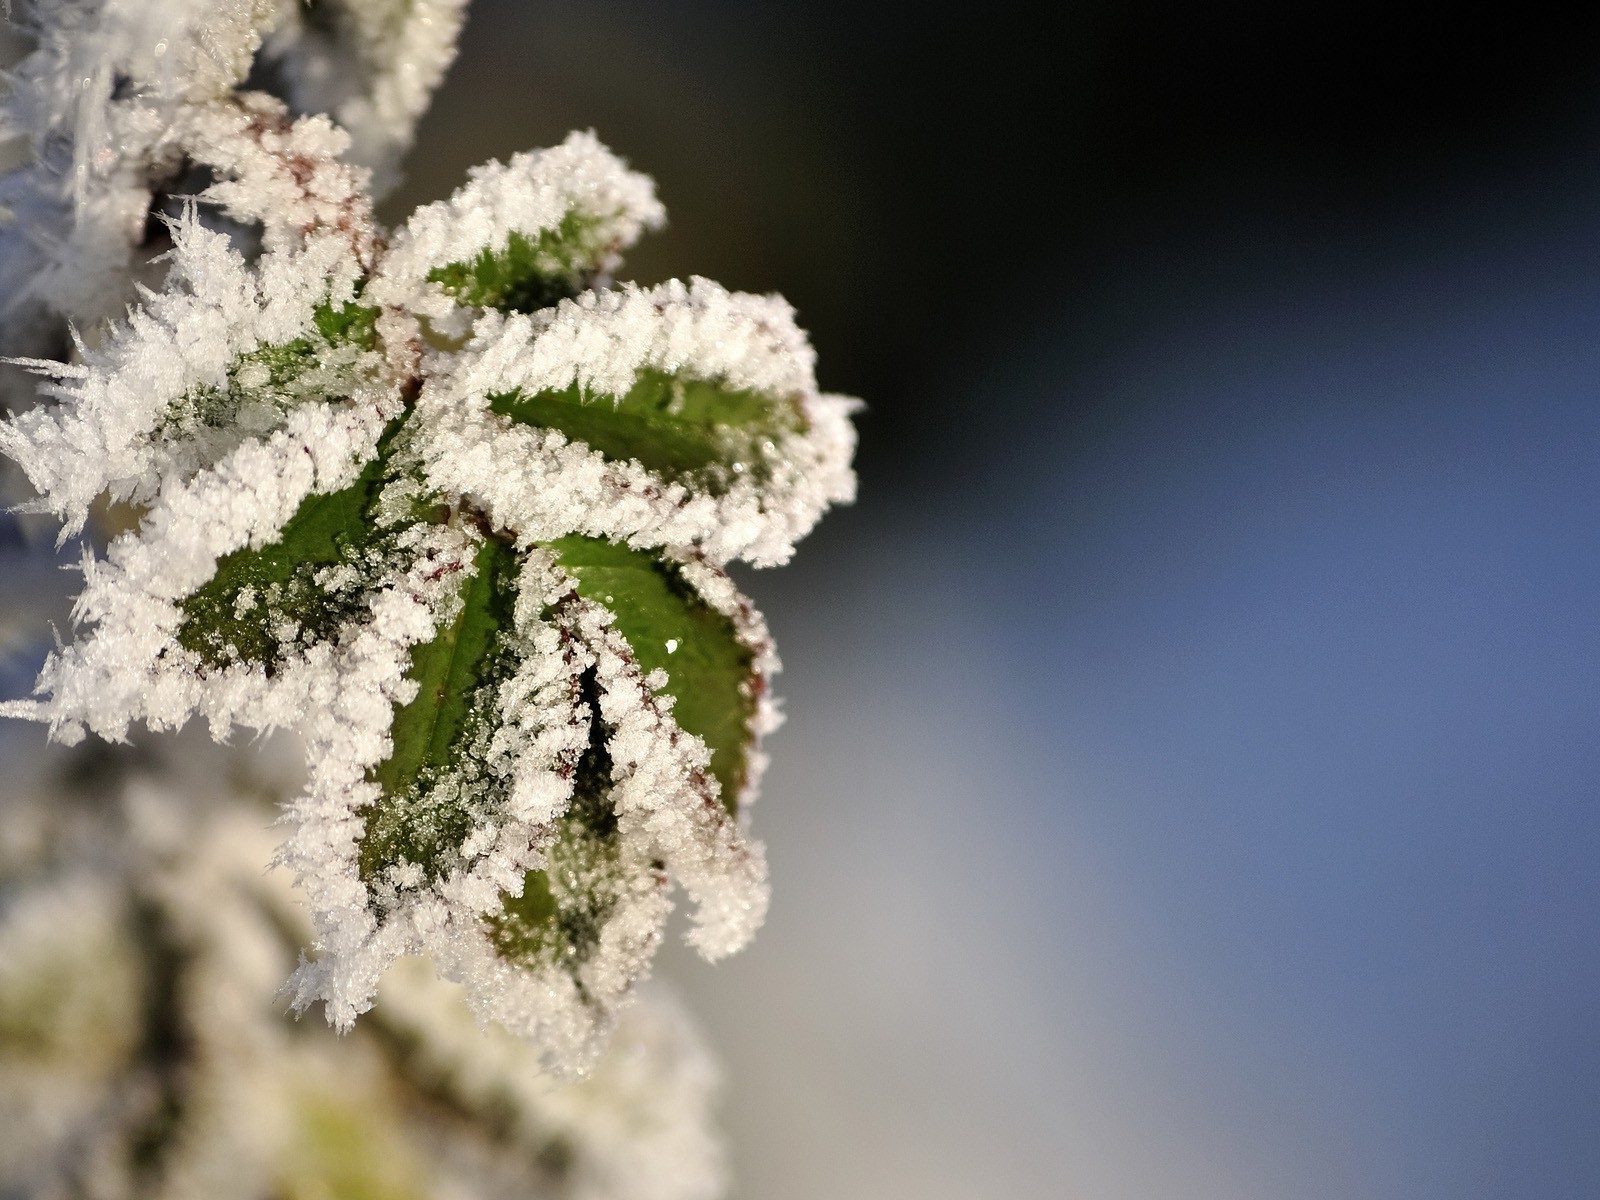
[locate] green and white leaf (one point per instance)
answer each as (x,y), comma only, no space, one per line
(267,603)
(714,656)
(519,236)
(423,809)
(673,416)
(542,794)
(133,665)
(667,733)
(122,421)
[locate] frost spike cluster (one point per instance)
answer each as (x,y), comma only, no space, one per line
(482,583)
(107,99)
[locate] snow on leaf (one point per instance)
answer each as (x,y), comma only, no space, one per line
(521,235)
(594,884)
(111,428)
(530,272)
(301,588)
(285,174)
(132,666)
(610,851)
(679,428)
(433,786)
(714,389)
(706,668)
(645,797)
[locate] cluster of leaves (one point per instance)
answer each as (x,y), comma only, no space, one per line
(455,509)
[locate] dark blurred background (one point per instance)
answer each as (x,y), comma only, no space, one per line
(1190,782)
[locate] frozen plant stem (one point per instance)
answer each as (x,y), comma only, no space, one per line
(441,499)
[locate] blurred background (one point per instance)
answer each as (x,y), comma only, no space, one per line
(1189,787)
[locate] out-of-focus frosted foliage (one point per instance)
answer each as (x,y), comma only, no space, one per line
(454,508)
(143,1051)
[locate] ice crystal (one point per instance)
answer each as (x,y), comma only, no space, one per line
(443,500)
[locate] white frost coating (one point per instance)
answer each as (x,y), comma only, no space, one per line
(665,798)
(662,792)
(245,385)
(721,594)
(372,65)
(566,1013)
(104,103)
(539,485)
(567,1018)
(668,812)
(363,927)
(99,436)
(532,193)
(285,174)
(96,101)
(131,667)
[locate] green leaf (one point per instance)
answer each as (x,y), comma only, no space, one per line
(352,323)
(675,426)
(562,924)
(710,672)
(711,677)
(532,272)
(417,820)
(262,603)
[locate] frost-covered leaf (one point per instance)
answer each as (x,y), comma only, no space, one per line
(707,426)
(132,666)
(520,235)
(443,502)
(429,801)
(706,666)
(532,270)
(121,100)
(120,420)
(639,812)
(558,919)
(678,427)
(301,588)
(539,797)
